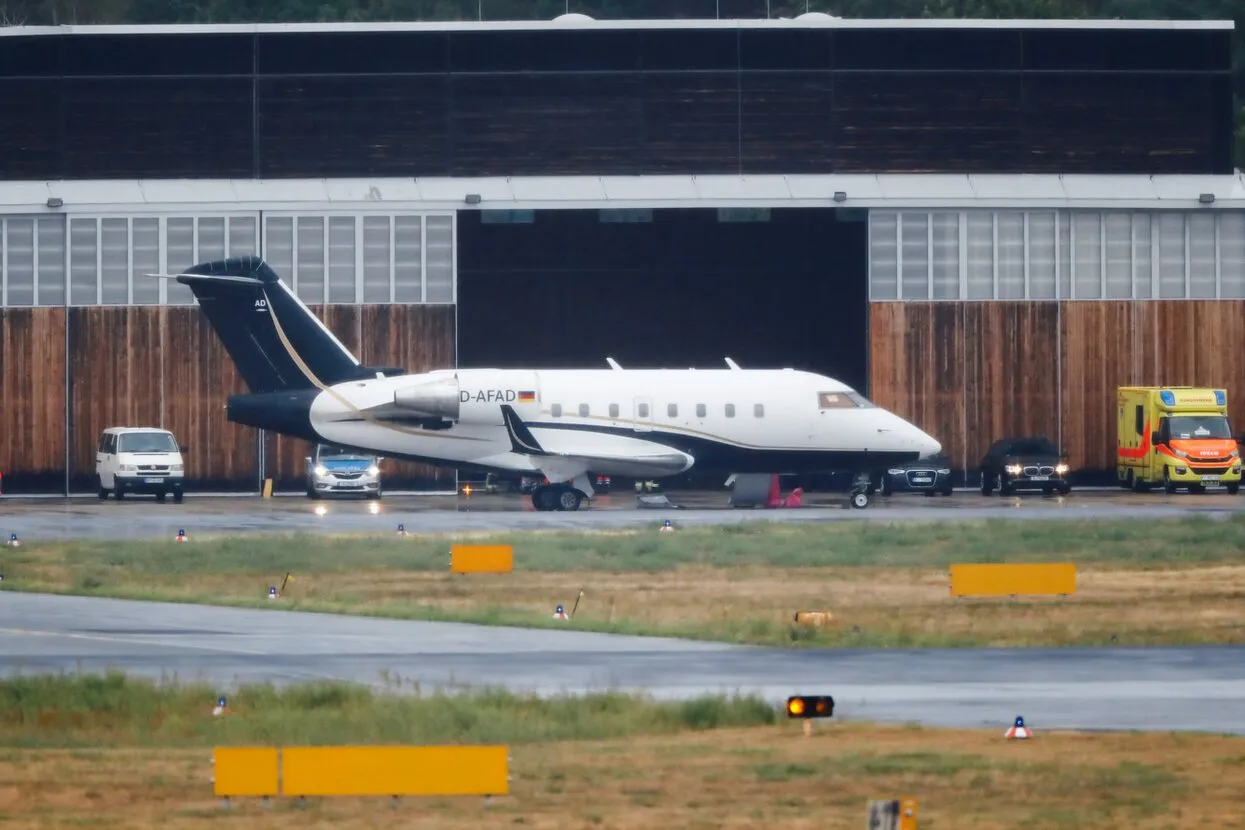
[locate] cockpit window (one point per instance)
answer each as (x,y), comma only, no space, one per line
(842,400)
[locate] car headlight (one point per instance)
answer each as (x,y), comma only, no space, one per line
(1061,468)
(321,470)
(373,470)
(944,472)
(127,468)
(894,472)
(1235,453)
(177,468)
(1181,453)
(1014,469)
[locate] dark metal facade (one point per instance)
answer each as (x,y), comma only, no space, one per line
(597,102)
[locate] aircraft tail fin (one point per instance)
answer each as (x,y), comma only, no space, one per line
(272,337)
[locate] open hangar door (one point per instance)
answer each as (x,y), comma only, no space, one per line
(666,288)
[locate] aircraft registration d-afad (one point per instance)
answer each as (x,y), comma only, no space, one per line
(561,424)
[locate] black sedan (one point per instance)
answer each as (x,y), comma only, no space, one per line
(1033,463)
(929,477)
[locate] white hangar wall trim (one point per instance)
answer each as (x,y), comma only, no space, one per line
(932,237)
(88,259)
(1056,255)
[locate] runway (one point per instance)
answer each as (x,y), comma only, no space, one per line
(1200,689)
(138,518)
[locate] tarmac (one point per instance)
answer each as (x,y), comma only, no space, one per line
(137,517)
(1194,689)
(1197,688)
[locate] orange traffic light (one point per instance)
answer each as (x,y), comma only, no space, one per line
(803,706)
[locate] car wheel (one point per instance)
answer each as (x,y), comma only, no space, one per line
(1005,487)
(886,488)
(987,484)
(946,491)
(1232,489)
(1065,489)
(103,492)
(1169,486)
(177,496)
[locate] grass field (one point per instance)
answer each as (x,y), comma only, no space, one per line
(117,753)
(1140,583)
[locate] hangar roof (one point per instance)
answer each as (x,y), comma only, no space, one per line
(813,19)
(894,190)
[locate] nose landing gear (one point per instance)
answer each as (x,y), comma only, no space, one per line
(859,497)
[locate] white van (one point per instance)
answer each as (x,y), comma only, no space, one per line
(139,460)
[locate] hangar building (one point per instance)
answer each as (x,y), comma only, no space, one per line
(983,225)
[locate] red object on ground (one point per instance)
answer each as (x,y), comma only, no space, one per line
(796,499)
(775,493)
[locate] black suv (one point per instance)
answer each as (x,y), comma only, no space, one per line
(1013,464)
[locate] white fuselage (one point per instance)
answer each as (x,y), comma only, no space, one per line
(626,422)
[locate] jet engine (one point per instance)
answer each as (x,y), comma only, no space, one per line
(433,399)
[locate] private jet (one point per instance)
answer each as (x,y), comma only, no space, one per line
(556,423)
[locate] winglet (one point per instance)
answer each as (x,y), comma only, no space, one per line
(521,439)
(613,364)
(734,366)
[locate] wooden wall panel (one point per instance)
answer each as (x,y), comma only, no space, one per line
(1046,367)
(32,399)
(115,357)
(917,365)
(198,376)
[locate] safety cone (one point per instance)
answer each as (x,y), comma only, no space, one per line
(182,537)
(13,541)
(667,527)
(401,530)
(221,708)
(1018,730)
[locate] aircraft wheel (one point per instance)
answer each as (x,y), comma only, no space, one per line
(859,499)
(544,498)
(569,499)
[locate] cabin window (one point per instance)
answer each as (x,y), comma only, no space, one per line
(758,409)
(672,410)
(730,410)
(1141,423)
(583,410)
(556,410)
(700,410)
(613,410)
(643,410)
(834,400)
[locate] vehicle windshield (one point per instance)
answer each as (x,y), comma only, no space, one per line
(326,451)
(1036,446)
(1198,426)
(146,442)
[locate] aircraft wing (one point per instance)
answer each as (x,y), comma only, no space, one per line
(584,452)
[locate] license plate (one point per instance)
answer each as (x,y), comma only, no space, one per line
(1210,479)
(153,480)
(922,479)
(1040,478)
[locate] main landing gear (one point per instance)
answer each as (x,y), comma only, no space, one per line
(556,497)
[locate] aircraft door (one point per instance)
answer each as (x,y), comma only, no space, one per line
(642,414)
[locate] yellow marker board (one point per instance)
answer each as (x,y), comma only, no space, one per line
(467,559)
(245,771)
(1008,580)
(395,770)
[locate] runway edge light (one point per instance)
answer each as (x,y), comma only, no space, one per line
(1018,730)
(810,706)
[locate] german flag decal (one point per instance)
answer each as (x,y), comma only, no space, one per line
(527,397)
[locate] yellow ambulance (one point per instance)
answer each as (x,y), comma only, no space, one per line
(1176,437)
